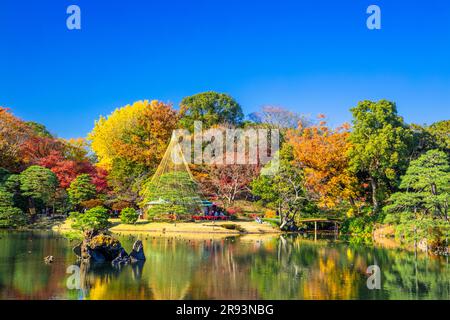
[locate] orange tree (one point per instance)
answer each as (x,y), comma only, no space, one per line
(322,152)
(14,133)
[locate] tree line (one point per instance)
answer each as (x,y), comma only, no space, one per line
(377,167)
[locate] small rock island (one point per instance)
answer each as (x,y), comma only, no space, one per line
(99,247)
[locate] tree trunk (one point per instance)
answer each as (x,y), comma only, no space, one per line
(374,186)
(32,209)
(353,204)
(284,221)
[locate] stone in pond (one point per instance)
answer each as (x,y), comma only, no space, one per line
(100,248)
(122,259)
(137,254)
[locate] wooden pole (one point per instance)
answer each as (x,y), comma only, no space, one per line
(315,230)
(336,230)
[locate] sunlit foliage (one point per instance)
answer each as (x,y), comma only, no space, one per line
(322,152)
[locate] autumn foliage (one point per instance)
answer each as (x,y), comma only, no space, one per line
(227,182)
(137,133)
(320,169)
(322,152)
(22,145)
(14,135)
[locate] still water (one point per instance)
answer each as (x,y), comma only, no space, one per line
(248,267)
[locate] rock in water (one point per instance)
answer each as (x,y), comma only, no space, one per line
(137,254)
(122,259)
(96,256)
(108,246)
(99,248)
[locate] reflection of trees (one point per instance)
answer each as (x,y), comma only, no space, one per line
(304,269)
(277,273)
(224,271)
(282,272)
(416,276)
(105,282)
(285,267)
(22,270)
(172,265)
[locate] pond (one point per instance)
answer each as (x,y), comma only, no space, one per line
(247,267)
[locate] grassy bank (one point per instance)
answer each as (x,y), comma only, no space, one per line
(233,228)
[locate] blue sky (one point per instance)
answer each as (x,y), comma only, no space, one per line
(313,56)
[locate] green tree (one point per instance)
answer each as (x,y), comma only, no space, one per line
(126,179)
(10,216)
(211,108)
(12,185)
(424,197)
(441,132)
(4,174)
(425,187)
(81,189)
(38,183)
(423,140)
(381,144)
(174,193)
(435,136)
(95,219)
(129,216)
(285,190)
(39,129)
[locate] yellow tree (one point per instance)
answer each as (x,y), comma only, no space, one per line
(322,153)
(130,143)
(75,148)
(137,133)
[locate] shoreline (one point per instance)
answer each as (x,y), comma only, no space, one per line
(381,237)
(217,232)
(205,228)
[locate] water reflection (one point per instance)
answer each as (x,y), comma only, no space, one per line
(281,267)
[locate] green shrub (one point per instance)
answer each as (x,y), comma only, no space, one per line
(81,189)
(232,226)
(359,226)
(409,228)
(93,219)
(178,194)
(10,217)
(129,216)
(73,235)
(274,222)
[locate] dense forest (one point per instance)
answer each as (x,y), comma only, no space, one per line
(376,170)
